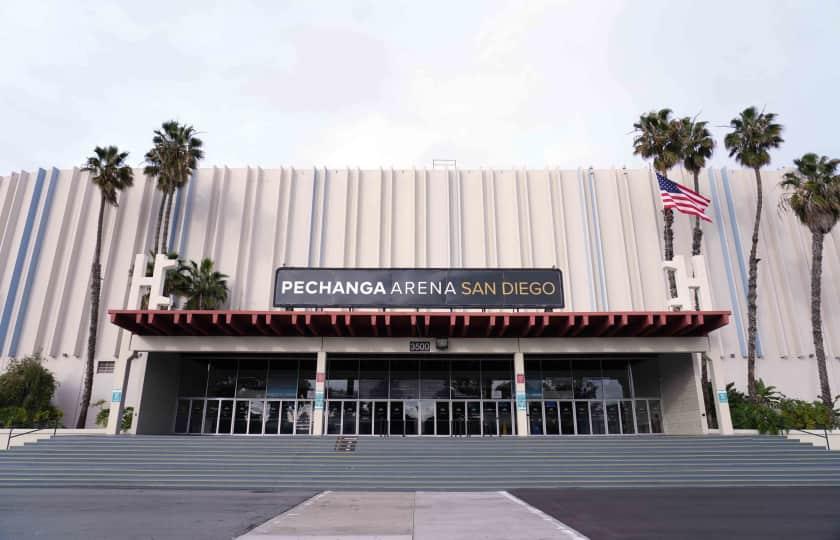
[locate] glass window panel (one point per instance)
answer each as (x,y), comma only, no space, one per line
(222,377)
(535,420)
(473,418)
(616,381)
(211,414)
(459,418)
(597,414)
(397,427)
(365,417)
(193,381)
(496,379)
(380,418)
(505,418)
(646,377)
(303,423)
(404,378)
(582,417)
(488,422)
(613,422)
(196,414)
(282,378)
(306,382)
(557,378)
(642,425)
(412,417)
(427,417)
(287,418)
(655,416)
(252,378)
(434,379)
(182,415)
(225,416)
(627,423)
(465,379)
(567,418)
(240,420)
(552,418)
(342,378)
(334,417)
(587,379)
(533,378)
(257,411)
(373,379)
(271,421)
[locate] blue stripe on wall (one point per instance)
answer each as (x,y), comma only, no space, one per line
(727,265)
(185,226)
(587,244)
(5,319)
(176,211)
(599,244)
(736,233)
(33,264)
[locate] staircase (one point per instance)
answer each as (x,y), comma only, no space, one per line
(258,463)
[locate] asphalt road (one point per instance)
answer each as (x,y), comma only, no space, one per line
(695,513)
(137,514)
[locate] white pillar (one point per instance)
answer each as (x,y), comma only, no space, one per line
(521,401)
(122,369)
(716,375)
(697,364)
(320,382)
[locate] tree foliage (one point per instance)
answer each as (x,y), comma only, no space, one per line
(753,135)
(813,192)
(657,138)
(772,412)
(201,285)
(26,391)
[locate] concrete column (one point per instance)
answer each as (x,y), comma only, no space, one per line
(682,401)
(320,382)
(122,369)
(521,401)
(716,372)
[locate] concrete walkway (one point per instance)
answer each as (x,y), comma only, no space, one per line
(350,515)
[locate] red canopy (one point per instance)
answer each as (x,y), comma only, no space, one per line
(368,323)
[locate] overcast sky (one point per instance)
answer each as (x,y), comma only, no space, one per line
(388,83)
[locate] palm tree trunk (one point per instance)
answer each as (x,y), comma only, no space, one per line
(698,232)
(816,315)
(752,290)
(668,236)
(95,288)
(159,222)
(164,248)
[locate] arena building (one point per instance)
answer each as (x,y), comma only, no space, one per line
(412,302)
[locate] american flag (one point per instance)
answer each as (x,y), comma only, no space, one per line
(685,200)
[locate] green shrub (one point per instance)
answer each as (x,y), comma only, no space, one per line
(26,389)
(773,412)
(102,416)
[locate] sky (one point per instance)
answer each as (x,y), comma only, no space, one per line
(389,83)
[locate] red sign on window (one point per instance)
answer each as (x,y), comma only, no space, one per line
(319,377)
(520,378)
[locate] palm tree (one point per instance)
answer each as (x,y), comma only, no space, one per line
(172,159)
(111,175)
(203,287)
(697,146)
(657,137)
(753,135)
(814,197)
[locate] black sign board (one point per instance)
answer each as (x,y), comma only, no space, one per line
(418,288)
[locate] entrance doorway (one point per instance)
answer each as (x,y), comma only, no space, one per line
(419,417)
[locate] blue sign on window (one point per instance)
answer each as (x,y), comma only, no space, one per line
(116,396)
(319,399)
(723,397)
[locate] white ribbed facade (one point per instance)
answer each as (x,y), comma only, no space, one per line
(602,228)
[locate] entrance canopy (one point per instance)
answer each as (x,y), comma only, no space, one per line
(368,323)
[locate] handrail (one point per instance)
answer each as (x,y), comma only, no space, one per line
(823,436)
(11,429)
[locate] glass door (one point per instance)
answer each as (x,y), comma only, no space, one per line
(303,419)
(348,423)
(365,417)
(287,418)
(272,421)
(567,418)
(505,418)
(427,417)
(473,418)
(488,424)
(459,418)
(552,418)
(380,418)
(535,417)
(442,417)
(334,418)
(397,424)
